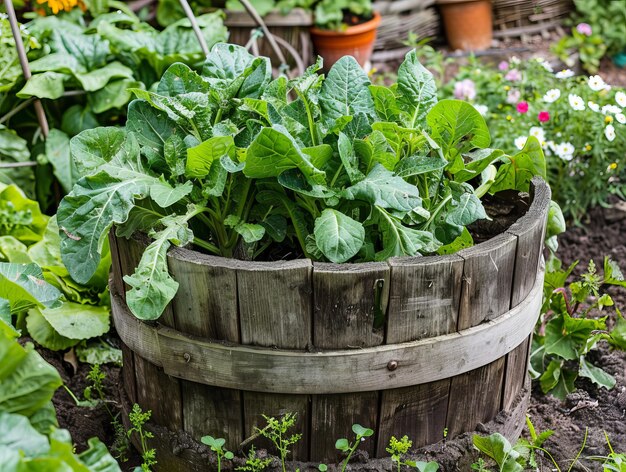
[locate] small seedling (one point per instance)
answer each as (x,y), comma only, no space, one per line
(398,448)
(138,419)
(254,463)
(276,431)
(322,467)
(217,446)
(346,447)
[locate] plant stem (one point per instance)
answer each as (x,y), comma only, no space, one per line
(206,245)
(437,210)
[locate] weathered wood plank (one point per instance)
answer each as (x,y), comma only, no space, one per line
(206,302)
(276,405)
(214,411)
(115,277)
(530,232)
(424,303)
(275,303)
(420,409)
(275,310)
(487,280)
(152,384)
(424,298)
(474,397)
(128,373)
(349,306)
(206,306)
(273,370)
(486,295)
(515,373)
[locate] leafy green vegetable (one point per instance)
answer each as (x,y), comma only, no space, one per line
(233,162)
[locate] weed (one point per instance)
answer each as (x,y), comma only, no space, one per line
(217,446)
(345,446)
(276,432)
(254,463)
(399,447)
(138,419)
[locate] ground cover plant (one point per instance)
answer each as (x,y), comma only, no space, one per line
(578,120)
(345,172)
(82,67)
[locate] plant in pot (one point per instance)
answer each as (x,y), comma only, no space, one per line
(344,28)
(468,23)
(224,162)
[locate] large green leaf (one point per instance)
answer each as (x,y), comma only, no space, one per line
(500,450)
(58,154)
(23,285)
(565,335)
(16,433)
(200,158)
(27,382)
(517,171)
(417,92)
(273,151)
(595,374)
(97,79)
(94,147)
(115,94)
(398,240)
(338,236)
(456,125)
(20,216)
(44,334)
(345,92)
(384,189)
(77,321)
(152,287)
(46,85)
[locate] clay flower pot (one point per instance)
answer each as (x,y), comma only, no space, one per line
(357,41)
(468,23)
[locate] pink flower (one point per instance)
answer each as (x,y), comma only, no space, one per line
(584,28)
(522,107)
(513,96)
(503,66)
(543,115)
(465,90)
(513,75)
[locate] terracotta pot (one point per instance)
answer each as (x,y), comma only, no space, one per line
(468,23)
(357,41)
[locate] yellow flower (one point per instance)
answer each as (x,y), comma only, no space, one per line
(509,117)
(588,147)
(60,5)
(507,88)
(608,119)
(613,166)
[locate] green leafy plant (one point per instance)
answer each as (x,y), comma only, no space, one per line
(35,285)
(254,463)
(226,162)
(519,457)
(82,70)
(590,48)
(607,19)
(138,420)
(217,446)
(276,431)
(614,461)
(398,449)
(566,332)
(29,434)
(347,447)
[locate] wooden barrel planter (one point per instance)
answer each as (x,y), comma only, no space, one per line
(408,346)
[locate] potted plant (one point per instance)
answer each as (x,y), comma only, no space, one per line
(468,23)
(344,28)
(257,221)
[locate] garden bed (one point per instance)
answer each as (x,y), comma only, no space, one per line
(603,235)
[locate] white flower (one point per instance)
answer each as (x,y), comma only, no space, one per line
(514,60)
(593,106)
(596,83)
(482,109)
(576,102)
(609,132)
(3,16)
(552,95)
(606,109)
(537,132)
(520,142)
(546,65)
(620,117)
(565,151)
(551,146)
(564,74)
(620,99)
